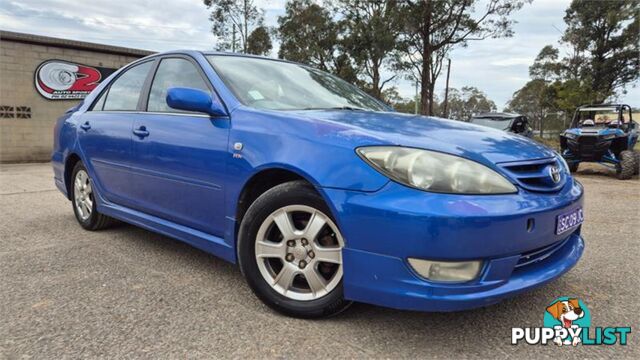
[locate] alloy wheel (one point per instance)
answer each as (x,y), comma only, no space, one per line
(299,252)
(83,194)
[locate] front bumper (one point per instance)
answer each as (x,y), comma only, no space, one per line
(384,228)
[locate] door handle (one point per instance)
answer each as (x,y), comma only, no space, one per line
(86,126)
(141,132)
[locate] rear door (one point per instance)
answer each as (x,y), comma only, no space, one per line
(179,158)
(105,133)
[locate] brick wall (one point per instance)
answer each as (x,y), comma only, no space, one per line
(31,139)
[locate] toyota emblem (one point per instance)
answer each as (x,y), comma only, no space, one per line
(554,172)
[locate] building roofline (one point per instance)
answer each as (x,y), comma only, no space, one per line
(70,44)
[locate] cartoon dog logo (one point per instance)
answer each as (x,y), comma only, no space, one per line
(566,312)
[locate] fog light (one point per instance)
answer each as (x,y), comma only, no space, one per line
(446,271)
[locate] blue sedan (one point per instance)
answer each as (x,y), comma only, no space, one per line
(321,194)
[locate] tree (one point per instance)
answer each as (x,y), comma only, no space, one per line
(308,34)
(433,28)
(231,16)
(259,41)
(392,97)
(607,33)
(536,100)
(344,69)
(602,38)
(372,29)
(546,66)
(468,101)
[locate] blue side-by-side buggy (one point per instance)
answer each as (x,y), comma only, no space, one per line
(605,134)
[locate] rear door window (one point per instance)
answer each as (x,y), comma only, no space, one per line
(125,91)
(99,105)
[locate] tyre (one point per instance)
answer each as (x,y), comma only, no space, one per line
(637,168)
(573,166)
(627,165)
(83,201)
(290,252)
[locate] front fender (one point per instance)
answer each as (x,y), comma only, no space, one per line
(321,152)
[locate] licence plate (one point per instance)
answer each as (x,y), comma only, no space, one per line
(568,221)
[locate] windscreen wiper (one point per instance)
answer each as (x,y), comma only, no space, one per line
(351,108)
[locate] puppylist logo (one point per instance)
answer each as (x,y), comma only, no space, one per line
(567,321)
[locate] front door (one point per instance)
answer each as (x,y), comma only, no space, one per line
(105,134)
(179,158)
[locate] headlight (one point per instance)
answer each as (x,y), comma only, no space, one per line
(434,171)
(446,271)
(570,135)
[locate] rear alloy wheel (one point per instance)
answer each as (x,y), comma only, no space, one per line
(84,202)
(83,195)
(627,165)
(290,251)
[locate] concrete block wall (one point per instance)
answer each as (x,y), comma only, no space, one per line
(31,140)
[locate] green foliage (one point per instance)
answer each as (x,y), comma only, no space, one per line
(468,101)
(371,29)
(537,101)
(356,47)
(607,33)
(227,15)
(546,66)
(433,28)
(603,59)
(259,41)
(309,34)
(392,98)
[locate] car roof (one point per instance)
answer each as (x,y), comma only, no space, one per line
(219,53)
(249,56)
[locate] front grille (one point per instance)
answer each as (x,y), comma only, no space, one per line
(588,140)
(535,175)
(590,148)
(540,254)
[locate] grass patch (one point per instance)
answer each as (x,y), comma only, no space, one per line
(553,143)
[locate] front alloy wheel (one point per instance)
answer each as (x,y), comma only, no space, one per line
(290,252)
(298,251)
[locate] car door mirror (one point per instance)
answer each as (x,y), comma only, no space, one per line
(189,99)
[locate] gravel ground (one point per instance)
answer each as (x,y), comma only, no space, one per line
(127,292)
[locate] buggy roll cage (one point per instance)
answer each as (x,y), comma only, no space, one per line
(619,108)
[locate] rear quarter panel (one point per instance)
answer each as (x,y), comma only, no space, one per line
(64,144)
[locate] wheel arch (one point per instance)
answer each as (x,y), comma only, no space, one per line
(69,163)
(266,178)
(259,183)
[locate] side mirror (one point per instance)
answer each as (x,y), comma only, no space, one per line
(189,99)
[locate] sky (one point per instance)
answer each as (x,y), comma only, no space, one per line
(496,66)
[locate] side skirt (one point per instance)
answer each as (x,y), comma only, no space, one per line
(198,239)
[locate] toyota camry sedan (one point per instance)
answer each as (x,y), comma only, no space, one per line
(320,193)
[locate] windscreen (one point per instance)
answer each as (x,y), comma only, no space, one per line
(278,85)
(600,116)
